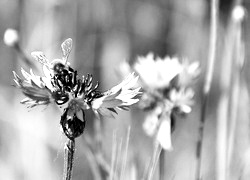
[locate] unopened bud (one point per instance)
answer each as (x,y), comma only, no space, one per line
(71,125)
(11,37)
(238,13)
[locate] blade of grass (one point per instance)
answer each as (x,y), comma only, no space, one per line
(146,169)
(113,158)
(236,80)
(125,155)
(118,157)
(89,154)
(99,161)
(207,84)
(154,160)
(223,113)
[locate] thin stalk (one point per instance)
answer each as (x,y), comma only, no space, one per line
(230,82)
(162,165)
(221,145)
(146,169)
(238,59)
(125,155)
(226,114)
(154,160)
(98,133)
(207,84)
(118,156)
(114,151)
(92,163)
(99,160)
(69,150)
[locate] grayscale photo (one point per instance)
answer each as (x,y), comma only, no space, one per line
(125,90)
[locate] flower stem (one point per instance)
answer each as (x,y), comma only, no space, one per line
(162,165)
(207,84)
(238,62)
(69,150)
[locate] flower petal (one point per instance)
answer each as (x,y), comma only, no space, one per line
(34,88)
(150,124)
(120,96)
(157,73)
(164,133)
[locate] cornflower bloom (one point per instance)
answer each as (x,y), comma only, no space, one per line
(165,83)
(62,85)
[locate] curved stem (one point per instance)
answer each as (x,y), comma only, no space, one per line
(207,84)
(69,150)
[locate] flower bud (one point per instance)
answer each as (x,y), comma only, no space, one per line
(238,13)
(11,37)
(72,125)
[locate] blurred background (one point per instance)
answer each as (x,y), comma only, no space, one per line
(105,33)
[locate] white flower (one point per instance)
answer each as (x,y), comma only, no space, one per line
(11,37)
(189,73)
(165,83)
(119,97)
(157,73)
(182,99)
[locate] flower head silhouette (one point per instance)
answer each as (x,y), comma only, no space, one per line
(62,85)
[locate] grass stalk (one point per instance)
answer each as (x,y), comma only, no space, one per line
(113,158)
(146,169)
(98,133)
(162,166)
(93,164)
(100,167)
(207,84)
(154,160)
(238,58)
(69,150)
(125,155)
(232,62)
